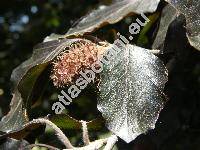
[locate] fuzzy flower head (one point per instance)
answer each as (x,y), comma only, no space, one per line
(81,55)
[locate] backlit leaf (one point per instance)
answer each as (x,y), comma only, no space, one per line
(112,14)
(190,9)
(169,13)
(131,95)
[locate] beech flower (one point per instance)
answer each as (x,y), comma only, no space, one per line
(80,55)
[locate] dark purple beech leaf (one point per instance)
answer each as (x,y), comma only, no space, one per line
(112,14)
(21,132)
(63,121)
(169,13)
(13,144)
(131,92)
(191,10)
(25,80)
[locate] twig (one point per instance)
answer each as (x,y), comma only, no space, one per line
(59,133)
(92,146)
(89,145)
(86,139)
(111,142)
(42,145)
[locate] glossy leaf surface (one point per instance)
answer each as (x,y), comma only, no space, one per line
(131,95)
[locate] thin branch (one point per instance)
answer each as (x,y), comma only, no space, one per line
(59,133)
(42,145)
(111,142)
(92,146)
(86,139)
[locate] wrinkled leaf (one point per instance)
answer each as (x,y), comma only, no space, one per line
(21,132)
(131,95)
(24,79)
(17,115)
(190,9)
(112,14)
(169,13)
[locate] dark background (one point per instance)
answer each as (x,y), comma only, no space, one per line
(23,24)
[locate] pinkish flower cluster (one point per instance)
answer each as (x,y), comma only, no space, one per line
(68,64)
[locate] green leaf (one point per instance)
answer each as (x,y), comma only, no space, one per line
(143,38)
(112,14)
(131,95)
(96,124)
(64,121)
